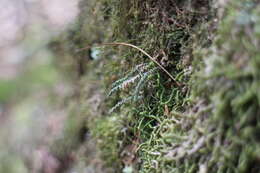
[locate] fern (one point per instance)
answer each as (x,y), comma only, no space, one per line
(142,82)
(122,102)
(132,77)
(128,79)
(142,77)
(140,67)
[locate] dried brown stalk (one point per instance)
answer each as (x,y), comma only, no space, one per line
(141,50)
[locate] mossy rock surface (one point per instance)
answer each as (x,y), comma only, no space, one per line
(206,120)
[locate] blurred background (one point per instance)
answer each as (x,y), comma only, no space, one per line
(31,86)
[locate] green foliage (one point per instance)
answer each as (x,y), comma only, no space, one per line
(219,134)
(166,34)
(208,124)
(124,83)
(169,43)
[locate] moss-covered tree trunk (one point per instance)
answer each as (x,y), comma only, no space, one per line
(206,120)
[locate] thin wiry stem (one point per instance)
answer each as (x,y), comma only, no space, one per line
(141,50)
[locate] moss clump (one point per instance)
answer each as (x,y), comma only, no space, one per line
(220,132)
(107,131)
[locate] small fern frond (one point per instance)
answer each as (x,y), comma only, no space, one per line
(120,81)
(142,82)
(140,67)
(124,84)
(119,104)
(141,74)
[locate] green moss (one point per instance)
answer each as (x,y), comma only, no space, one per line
(139,23)
(222,125)
(162,32)
(107,131)
(208,124)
